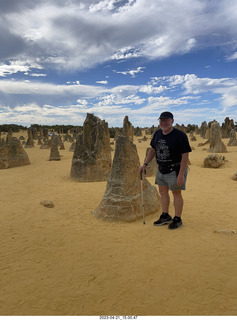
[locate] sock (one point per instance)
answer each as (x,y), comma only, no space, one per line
(177,218)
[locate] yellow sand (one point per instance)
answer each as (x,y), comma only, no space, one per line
(63,261)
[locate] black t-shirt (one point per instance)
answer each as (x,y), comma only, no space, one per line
(169,147)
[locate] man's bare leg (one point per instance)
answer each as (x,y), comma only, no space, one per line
(165,198)
(178,203)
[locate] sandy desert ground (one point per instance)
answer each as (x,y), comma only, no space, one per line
(63,261)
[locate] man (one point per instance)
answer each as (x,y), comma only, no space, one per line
(171,148)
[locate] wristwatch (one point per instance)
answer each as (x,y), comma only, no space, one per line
(146,164)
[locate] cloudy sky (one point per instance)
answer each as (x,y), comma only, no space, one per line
(62,59)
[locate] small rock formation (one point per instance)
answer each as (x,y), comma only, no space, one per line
(47,144)
(47,203)
(227,126)
(45,133)
(180,127)
(68,137)
(203,129)
(216,145)
(34,133)
(143,139)
(151,131)
(138,132)
(72,147)
(192,137)
(60,142)
(207,133)
(9,137)
(122,198)
(41,134)
(12,154)
(214,161)
(234,177)
(54,153)
(62,147)
(151,169)
(92,155)
(203,143)
(127,128)
(30,141)
(228,232)
(233,140)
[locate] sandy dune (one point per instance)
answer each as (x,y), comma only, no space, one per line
(63,261)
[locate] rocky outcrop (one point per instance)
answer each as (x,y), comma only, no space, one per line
(47,203)
(46,144)
(216,145)
(203,143)
(233,141)
(207,133)
(34,133)
(227,126)
(128,128)
(54,153)
(72,147)
(12,154)
(92,155)
(151,131)
(214,161)
(122,198)
(30,141)
(9,137)
(143,139)
(234,177)
(192,136)
(59,141)
(45,133)
(138,132)
(151,169)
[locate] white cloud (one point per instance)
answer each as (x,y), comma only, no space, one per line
(162,102)
(28,108)
(38,74)
(149,89)
(80,35)
(232,57)
(82,102)
(45,89)
(16,66)
(133,72)
(73,82)
(38,37)
(196,85)
(49,102)
(118,99)
(102,82)
(126,53)
(105,5)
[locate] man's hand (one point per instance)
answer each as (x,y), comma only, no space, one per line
(180,180)
(143,168)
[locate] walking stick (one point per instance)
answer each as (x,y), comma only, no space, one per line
(143,214)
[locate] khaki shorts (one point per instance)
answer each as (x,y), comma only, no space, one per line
(170,180)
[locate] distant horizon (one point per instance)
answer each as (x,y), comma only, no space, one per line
(142,127)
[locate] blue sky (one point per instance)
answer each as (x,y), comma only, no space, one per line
(60,60)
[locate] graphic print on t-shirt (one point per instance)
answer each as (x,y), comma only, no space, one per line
(162,150)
